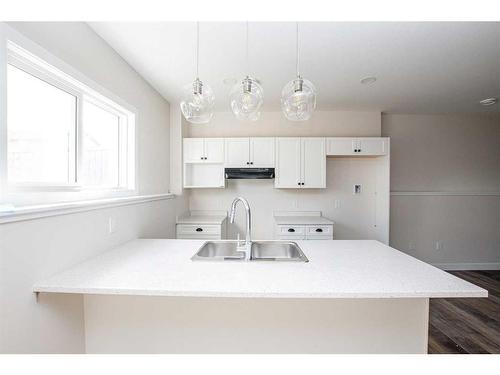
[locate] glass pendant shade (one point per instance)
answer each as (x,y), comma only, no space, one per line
(298,99)
(197,103)
(246,99)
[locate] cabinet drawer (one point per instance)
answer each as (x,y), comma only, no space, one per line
(318,230)
(291,230)
(201,230)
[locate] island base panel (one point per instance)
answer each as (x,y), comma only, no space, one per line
(141,324)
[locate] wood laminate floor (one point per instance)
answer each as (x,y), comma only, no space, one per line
(467,325)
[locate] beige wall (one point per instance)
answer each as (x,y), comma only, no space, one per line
(457,160)
(274,124)
(357,216)
(444,152)
(35,249)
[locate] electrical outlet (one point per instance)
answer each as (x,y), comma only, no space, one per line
(438,245)
(337,203)
(111,225)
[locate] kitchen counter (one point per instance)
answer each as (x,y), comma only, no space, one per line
(302,220)
(201,219)
(336,269)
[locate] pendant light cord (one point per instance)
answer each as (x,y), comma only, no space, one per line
(246,54)
(197,48)
(297,48)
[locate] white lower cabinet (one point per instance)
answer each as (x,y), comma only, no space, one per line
(304,232)
(300,163)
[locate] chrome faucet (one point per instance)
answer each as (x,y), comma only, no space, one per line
(247,247)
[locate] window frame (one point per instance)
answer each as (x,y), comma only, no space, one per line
(17,51)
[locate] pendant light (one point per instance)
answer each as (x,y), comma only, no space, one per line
(298,97)
(198,100)
(246,97)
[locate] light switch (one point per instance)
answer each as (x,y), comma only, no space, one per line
(337,203)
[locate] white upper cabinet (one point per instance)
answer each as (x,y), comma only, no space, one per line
(262,152)
(214,150)
(194,150)
(372,146)
(313,163)
(356,146)
(300,163)
(208,150)
(249,152)
(237,152)
(288,163)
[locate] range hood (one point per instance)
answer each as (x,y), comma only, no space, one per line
(249,173)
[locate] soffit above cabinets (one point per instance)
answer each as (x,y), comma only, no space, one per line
(430,67)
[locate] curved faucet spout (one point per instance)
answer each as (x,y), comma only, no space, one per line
(248,236)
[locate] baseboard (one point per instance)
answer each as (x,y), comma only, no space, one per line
(467,266)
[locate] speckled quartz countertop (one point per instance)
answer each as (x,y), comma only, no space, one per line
(336,269)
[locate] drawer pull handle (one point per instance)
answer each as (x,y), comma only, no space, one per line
(319,230)
(291,230)
(199,229)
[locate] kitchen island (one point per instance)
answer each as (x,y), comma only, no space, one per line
(148,296)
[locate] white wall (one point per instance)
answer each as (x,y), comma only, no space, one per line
(457,159)
(34,249)
(356,217)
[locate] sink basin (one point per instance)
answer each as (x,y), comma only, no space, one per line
(218,250)
(261,251)
(277,251)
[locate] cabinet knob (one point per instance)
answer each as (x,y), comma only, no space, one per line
(199,229)
(302,184)
(201,158)
(319,230)
(248,162)
(298,183)
(251,162)
(291,230)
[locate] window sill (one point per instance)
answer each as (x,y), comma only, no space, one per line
(22,213)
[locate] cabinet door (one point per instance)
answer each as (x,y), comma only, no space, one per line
(287,163)
(237,152)
(313,163)
(214,150)
(372,146)
(341,146)
(193,150)
(262,152)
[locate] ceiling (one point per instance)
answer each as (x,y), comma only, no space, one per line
(442,67)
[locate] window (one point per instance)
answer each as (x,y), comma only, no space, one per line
(41,124)
(61,134)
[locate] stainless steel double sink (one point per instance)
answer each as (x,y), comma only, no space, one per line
(282,251)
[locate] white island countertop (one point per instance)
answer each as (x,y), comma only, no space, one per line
(336,269)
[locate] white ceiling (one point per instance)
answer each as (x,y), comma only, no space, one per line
(421,67)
